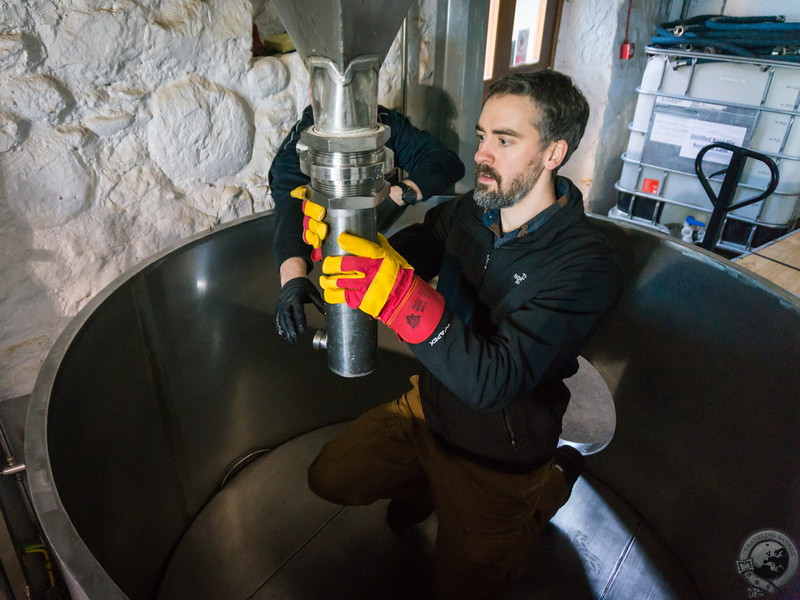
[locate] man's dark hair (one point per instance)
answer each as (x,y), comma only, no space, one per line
(564,109)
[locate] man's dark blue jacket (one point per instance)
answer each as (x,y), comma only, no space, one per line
(516,318)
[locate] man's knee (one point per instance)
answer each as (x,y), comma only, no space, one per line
(331,481)
(554,494)
(323,482)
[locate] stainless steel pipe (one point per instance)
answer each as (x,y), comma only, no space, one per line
(343,152)
(347,172)
(351,335)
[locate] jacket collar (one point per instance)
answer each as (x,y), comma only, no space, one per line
(540,230)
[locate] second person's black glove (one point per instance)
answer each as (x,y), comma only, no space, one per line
(290,316)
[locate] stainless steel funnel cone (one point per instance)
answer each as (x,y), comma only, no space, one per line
(342,29)
(343,43)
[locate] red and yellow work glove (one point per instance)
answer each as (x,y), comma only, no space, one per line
(380,282)
(314,230)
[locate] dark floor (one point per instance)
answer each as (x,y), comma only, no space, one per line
(595,547)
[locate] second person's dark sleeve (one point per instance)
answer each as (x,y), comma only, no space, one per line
(426,161)
(284,176)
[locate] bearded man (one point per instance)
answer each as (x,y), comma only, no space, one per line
(523,281)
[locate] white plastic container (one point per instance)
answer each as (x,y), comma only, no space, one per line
(685,190)
(689,99)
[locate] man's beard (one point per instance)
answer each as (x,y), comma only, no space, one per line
(499,198)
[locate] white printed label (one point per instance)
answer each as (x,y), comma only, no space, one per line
(691,135)
(669,129)
(703,133)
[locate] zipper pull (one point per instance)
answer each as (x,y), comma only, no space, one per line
(509,431)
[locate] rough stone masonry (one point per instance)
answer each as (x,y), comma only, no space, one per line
(126,127)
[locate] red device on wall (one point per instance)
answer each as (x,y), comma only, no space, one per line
(627,49)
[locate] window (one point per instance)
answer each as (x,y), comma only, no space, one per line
(521,36)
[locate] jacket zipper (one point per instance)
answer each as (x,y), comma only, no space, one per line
(506,422)
(509,430)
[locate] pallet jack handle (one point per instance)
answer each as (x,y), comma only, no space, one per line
(733,172)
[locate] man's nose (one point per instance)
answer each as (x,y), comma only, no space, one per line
(482,156)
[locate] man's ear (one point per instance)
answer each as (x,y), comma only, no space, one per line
(555,154)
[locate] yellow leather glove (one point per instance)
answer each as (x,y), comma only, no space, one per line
(380,282)
(314,229)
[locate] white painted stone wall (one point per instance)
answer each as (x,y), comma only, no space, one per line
(125,127)
(588,50)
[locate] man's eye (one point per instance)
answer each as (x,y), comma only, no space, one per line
(480,137)
(503,141)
